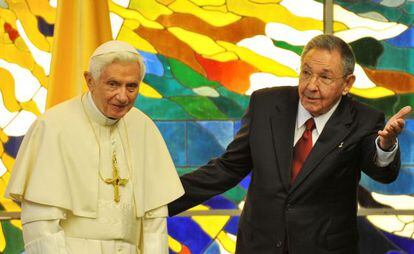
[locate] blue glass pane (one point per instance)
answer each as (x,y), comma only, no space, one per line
(202,144)
(174,135)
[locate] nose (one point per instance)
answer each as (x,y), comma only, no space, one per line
(122,95)
(313,83)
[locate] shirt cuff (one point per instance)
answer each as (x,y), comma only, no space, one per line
(155,236)
(384,158)
(50,244)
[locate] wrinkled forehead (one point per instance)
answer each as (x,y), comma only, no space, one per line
(323,59)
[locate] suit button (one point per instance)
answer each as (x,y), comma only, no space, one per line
(279,244)
(288,207)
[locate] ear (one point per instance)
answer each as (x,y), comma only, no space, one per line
(349,81)
(89,80)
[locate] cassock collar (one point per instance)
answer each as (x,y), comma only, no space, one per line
(95,113)
(320,121)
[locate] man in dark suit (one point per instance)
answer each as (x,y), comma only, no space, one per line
(306,147)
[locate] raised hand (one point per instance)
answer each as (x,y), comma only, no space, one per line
(394,126)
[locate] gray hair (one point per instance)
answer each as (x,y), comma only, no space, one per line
(332,43)
(98,63)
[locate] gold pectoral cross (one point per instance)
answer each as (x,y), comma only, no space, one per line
(116,181)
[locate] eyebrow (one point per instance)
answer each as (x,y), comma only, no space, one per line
(305,65)
(327,71)
(112,80)
(132,84)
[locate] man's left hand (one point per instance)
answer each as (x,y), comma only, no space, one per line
(394,126)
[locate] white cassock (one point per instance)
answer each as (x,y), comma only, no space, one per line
(59,178)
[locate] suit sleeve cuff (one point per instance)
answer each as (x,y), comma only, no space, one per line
(384,158)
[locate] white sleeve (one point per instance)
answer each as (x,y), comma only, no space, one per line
(384,158)
(42,233)
(155,238)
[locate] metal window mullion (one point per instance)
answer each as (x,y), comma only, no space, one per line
(328,16)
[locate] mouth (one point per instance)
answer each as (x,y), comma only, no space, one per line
(119,107)
(312,98)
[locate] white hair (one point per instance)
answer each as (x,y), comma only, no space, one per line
(98,63)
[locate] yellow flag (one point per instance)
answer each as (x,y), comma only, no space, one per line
(81,25)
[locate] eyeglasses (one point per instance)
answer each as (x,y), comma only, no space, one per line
(306,75)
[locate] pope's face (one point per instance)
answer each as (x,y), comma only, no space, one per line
(115,91)
(322,81)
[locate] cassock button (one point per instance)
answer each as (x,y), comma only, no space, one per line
(279,244)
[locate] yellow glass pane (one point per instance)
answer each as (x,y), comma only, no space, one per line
(29,23)
(174,245)
(200,43)
(133,15)
(372,93)
(148,91)
(227,243)
(151,9)
(42,8)
(208,2)
(223,56)
(260,62)
(215,18)
(126,34)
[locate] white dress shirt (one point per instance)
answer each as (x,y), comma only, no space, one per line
(383,159)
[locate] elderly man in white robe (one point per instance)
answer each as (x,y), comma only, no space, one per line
(93,174)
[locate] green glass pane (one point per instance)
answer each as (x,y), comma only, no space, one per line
(407,20)
(398,59)
(183,171)
(241,100)
(409,8)
(367,51)
(229,107)
(285,45)
(13,237)
(166,66)
(200,107)
(187,76)
(161,109)
(235,194)
(167,86)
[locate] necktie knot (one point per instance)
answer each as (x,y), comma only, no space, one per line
(310,124)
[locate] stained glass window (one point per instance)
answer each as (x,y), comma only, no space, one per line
(204,58)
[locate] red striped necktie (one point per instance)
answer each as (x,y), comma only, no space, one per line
(302,149)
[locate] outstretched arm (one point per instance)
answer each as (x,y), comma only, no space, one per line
(386,155)
(219,174)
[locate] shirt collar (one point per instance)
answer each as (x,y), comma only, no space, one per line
(95,113)
(320,121)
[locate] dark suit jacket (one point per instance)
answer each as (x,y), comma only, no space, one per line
(317,214)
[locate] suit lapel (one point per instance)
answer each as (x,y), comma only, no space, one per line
(336,130)
(283,129)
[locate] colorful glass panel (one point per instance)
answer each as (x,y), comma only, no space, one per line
(204,58)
